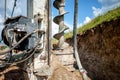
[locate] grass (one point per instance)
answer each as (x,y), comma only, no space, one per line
(110,15)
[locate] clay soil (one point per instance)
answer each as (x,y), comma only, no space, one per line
(99,50)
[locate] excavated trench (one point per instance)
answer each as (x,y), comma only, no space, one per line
(99,50)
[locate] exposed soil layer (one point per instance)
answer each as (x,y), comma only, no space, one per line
(61,73)
(13,73)
(99,50)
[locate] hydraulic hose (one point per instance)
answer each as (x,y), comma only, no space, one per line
(32,51)
(81,69)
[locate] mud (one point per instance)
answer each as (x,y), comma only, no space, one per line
(99,50)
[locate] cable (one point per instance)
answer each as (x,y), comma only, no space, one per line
(17,62)
(31,52)
(13,7)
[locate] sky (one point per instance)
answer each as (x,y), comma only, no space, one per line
(88,10)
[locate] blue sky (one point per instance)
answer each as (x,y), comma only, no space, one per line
(85,10)
(88,10)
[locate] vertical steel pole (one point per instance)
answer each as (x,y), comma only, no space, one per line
(49,30)
(30,9)
(31,61)
(5,10)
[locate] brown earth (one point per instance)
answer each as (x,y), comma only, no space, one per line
(61,73)
(13,73)
(99,50)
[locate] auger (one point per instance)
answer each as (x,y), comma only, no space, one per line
(59,5)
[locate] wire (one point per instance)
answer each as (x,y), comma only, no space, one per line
(28,55)
(17,62)
(13,7)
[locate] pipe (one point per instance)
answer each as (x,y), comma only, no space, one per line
(81,69)
(49,30)
(5,10)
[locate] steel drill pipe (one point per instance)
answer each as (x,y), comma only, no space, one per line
(59,5)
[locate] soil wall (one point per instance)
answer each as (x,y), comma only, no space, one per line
(99,50)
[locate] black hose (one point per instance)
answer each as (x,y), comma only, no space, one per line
(29,55)
(32,51)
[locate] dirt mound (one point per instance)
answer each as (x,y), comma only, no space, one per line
(13,73)
(61,73)
(99,51)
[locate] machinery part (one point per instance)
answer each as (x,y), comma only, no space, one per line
(49,31)
(19,58)
(26,36)
(81,69)
(15,29)
(5,1)
(16,59)
(59,4)
(16,35)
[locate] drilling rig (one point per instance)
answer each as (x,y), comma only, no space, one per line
(29,40)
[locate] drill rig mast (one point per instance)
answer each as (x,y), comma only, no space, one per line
(29,39)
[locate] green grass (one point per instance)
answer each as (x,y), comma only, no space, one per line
(3,47)
(110,15)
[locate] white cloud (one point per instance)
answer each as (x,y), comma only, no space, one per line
(2,3)
(87,19)
(10,4)
(1,19)
(55,28)
(96,11)
(106,6)
(80,25)
(108,2)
